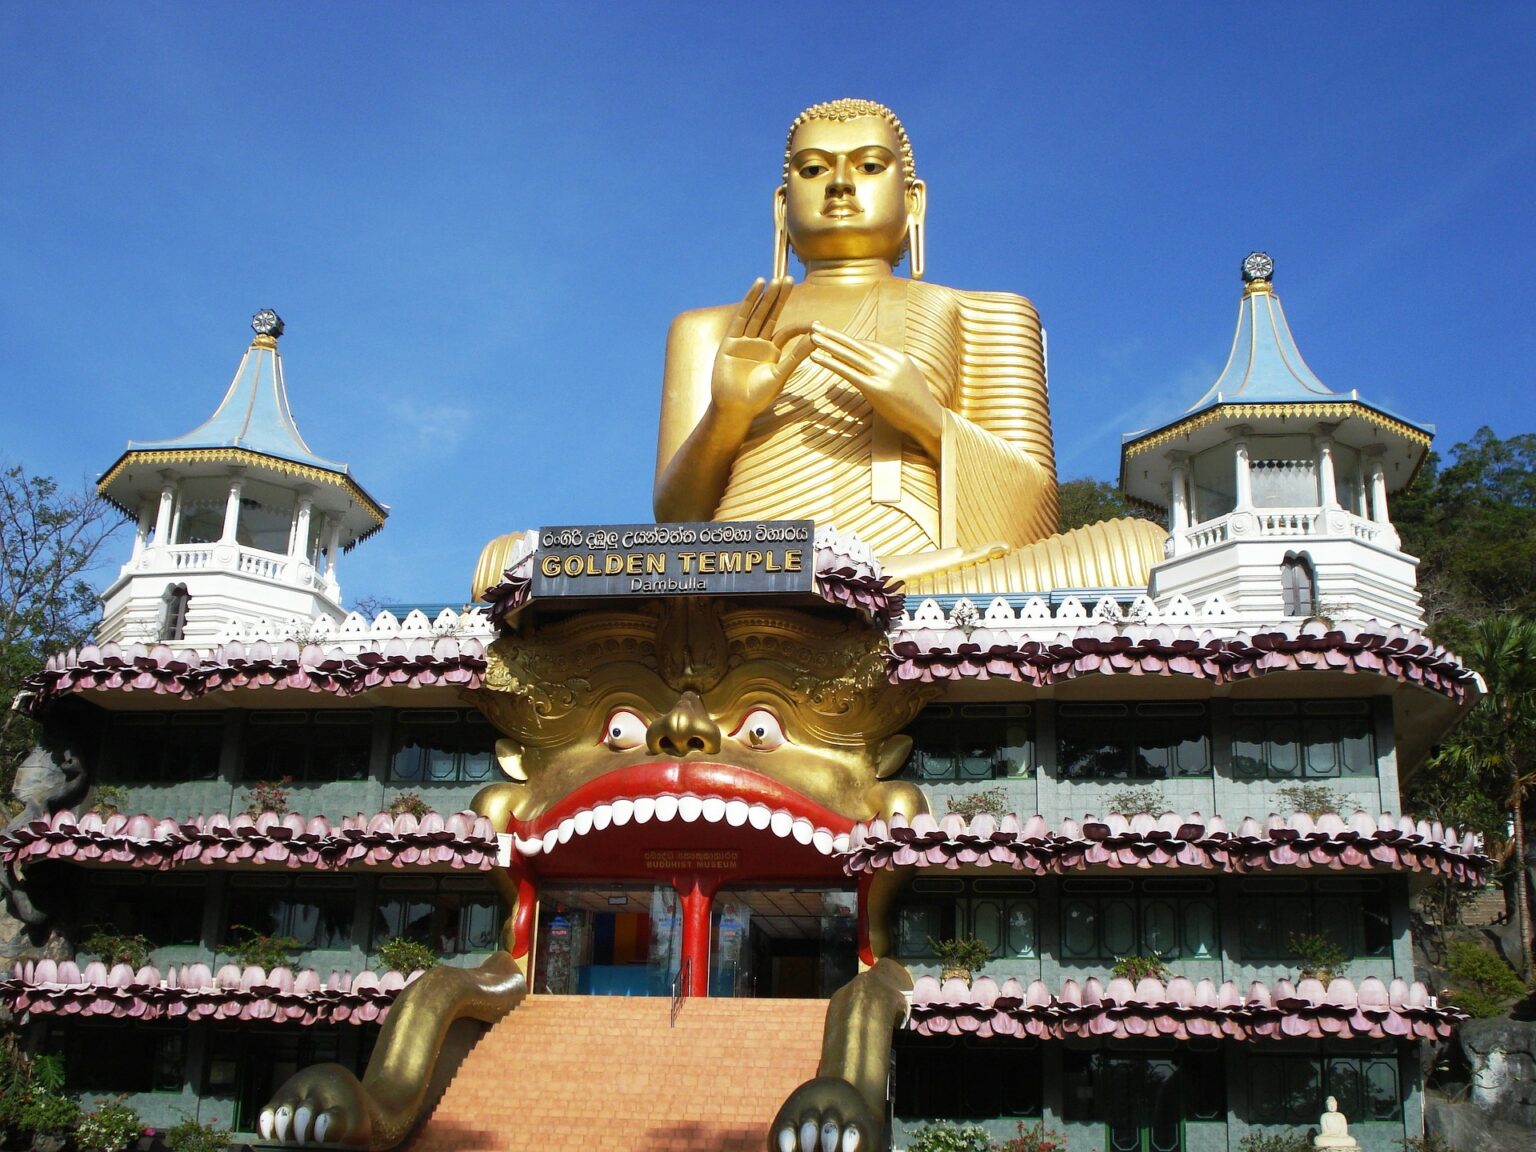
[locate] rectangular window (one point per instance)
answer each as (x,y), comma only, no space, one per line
(1002,913)
(451,915)
(1140,1091)
(964,1078)
(1302,740)
(251,1064)
(164,909)
(1352,913)
(1103,920)
(317,911)
(155,747)
(126,1056)
(1292,1088)
(311,746)
(1132,741)
(972,742)
(441,746)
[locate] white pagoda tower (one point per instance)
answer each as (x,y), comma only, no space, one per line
(1276,487)
(238,521)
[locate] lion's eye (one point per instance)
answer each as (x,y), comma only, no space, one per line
(624,730)
(761,730)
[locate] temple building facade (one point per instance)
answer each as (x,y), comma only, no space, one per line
(1156,774)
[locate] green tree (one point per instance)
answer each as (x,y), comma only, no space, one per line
(1087,501)
(50,541)
(1472,524)
(1494,748)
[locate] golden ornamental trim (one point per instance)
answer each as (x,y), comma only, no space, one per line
(164,456)
(1223,413)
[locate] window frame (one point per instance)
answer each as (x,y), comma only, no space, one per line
(959,899)
(306,762)
(1087,722)
(1139,896)
(464,754)
(174,761)
(1269,715)
(435,888)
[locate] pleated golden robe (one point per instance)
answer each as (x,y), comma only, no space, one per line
(820,452)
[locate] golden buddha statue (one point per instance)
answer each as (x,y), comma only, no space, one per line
(913,415)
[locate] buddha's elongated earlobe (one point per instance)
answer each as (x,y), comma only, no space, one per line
(780,234)
(917,208)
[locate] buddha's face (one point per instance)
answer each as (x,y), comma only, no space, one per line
(847,195)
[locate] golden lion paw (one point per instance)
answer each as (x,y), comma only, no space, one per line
(824,1115)
(320,1106)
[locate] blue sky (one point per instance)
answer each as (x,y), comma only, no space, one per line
(477,220)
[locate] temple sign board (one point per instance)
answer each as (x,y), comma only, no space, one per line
(730,558)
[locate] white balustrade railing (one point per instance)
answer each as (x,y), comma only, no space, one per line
(1276,523)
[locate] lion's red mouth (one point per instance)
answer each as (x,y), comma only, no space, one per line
(687,792)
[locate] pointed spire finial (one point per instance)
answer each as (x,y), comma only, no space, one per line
(267,323)
(1258,272)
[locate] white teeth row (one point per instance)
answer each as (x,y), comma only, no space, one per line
(689,809)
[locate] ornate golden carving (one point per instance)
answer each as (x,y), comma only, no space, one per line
(551,688)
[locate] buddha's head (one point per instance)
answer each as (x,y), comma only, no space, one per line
(850,189)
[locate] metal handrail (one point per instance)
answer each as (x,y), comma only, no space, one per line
(679,990)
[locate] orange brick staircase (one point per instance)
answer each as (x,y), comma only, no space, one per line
(607,1074)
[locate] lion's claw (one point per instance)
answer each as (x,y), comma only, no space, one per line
(823,1115)
(320,1106)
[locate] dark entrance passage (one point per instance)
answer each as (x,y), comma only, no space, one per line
(1144,1098)
(784,942)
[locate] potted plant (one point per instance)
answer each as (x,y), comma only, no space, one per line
(403,955)
(1139,968)
(109,1127)
(960,956)
(1321,959)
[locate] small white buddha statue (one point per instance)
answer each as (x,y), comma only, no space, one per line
(1333,1129)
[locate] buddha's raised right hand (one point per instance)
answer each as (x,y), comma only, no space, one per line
(753,363)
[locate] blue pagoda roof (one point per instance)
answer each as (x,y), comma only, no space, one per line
(254,415)
(1264,366)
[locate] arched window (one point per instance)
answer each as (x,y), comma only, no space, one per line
(173,616)
(1298,584)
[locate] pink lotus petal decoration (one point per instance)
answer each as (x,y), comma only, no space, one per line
(1169,842)
(1175,1010)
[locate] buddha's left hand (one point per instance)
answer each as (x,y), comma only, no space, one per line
(891,381)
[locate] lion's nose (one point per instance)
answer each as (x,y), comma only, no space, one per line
(687,728)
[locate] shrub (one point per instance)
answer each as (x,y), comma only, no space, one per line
(408,802)
(993,801)
(1132,801)
(44,1111)
(1313,799)
(1036,1139)
(110,1127)
(107,800)
(965,952)
(1138,968)
(253,947)
(406,955)
(114,948)
(190,1134)
(950,1138)
(1275,1142)
(1319,954)
(1481,983)
(268,796)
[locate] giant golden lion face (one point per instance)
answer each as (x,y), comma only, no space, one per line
(693,725)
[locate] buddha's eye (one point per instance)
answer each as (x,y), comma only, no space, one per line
(624,730)
(760,730)
(872,167)
(811,171)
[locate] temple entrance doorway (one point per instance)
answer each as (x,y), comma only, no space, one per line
(608,940)
(636,939)
(783,942)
